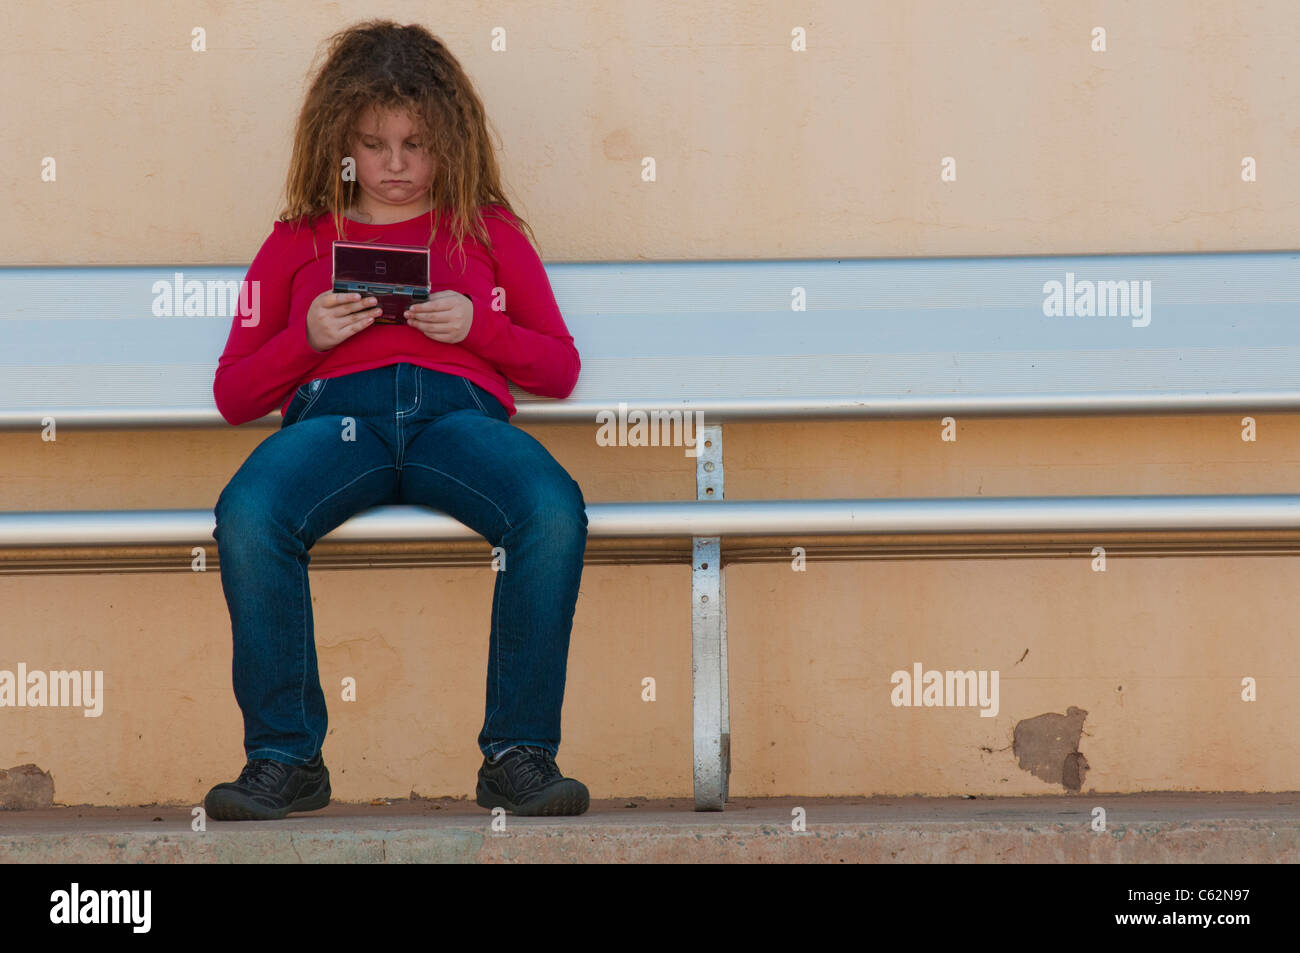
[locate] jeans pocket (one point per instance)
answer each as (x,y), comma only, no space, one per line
(303,398)
(485,401)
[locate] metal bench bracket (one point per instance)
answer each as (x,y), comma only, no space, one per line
(712,716)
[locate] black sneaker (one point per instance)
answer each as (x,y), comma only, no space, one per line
(526,781)
(268,790)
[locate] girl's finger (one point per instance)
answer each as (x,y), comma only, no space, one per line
(352,308)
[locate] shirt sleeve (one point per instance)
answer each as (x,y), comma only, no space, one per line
(526,338)
(265,355)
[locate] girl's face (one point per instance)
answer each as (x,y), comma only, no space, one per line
(394,171)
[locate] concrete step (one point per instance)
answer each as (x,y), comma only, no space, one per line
(1139,828)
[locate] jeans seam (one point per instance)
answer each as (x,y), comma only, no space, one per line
(422,466)
(297,760)
(400,436)
(304,608)
(313,398)
(336,493)
(470,387)
(496,601)
(418,394)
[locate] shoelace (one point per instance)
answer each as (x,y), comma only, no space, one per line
(263,774)
(535,768)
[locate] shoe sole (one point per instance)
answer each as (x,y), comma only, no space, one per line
(228,805)
(567,797)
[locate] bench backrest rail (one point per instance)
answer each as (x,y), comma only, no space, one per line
(131,346)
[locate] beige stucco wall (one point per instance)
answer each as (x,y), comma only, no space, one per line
(168,156)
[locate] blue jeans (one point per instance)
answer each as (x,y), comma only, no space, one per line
(418,436)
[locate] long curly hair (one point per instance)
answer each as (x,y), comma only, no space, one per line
(380,65)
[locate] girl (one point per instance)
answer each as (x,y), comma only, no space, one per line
(391,146)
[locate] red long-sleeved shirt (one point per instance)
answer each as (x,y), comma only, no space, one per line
(263,365)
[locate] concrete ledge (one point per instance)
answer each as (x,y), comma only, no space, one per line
(1143,828)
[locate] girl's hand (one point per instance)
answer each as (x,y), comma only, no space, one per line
(333,318)
(445,317)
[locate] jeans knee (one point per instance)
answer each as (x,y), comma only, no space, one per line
(560,509)
(242,516)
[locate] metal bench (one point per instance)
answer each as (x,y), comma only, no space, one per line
(901,338)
